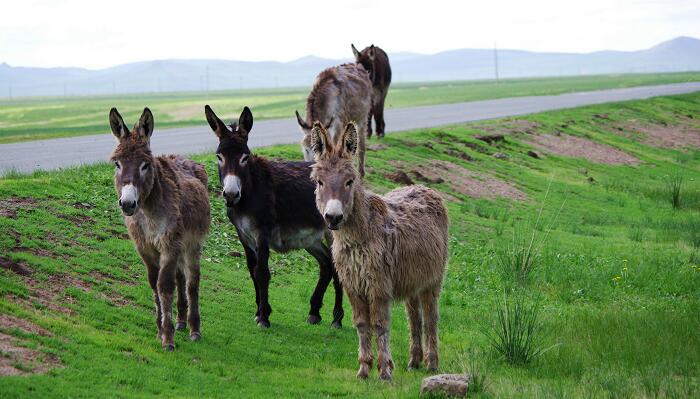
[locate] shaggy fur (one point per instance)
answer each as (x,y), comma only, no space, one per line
(168,222)
(376,62)
(391,247)
(272,207)
(340,95)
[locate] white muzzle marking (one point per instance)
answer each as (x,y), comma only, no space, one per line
(129,194)
(334,207)
(232,185)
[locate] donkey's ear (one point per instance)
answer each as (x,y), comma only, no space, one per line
(116,122)
(320,142)
(371,53)
(215,123)
(302,122)
(355,52)
(245,121)
(145,123)
(348,144)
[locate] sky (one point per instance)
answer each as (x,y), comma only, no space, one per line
(97,34)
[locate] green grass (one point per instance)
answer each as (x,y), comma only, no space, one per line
(617,279)
(41,118)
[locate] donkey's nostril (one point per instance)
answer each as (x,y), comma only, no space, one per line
(333,219)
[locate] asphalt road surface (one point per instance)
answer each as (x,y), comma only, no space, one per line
(72,151)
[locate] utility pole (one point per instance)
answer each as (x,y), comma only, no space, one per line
(495,60)
(207,82)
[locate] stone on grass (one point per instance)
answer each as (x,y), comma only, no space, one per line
(454,385)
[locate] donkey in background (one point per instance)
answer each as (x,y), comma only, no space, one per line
(376,62)
(386,248)
(271,204)
(166,211)
(340,94)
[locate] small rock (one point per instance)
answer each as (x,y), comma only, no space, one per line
(235,254)
(533,154)
(491,138)
(446,384)
(501,155)
(601,116)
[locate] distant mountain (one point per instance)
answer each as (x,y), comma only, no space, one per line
(679,54)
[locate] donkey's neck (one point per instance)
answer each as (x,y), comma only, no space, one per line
(356,229)
(153,204)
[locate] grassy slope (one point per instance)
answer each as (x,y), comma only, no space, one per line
(619,279)
(40,118)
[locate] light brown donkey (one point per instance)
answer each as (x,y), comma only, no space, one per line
(385,248)
(166,210)
(340,94)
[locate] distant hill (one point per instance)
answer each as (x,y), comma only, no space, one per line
(679,54)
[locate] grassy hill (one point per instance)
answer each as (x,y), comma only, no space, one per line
(614,274)
(41,118)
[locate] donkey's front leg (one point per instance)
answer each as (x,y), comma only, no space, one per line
(166,289)
(380,316)
(323,257)
(262,280)
(252,260)
(361,320)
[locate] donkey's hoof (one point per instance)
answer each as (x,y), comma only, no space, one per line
(363,372)
(181,325)
(169,347)
(337,324)
(414,364)
(385,375)
(256,318)
(313,319)
(263,323)
(195,336)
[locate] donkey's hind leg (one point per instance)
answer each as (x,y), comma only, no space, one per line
(192,274)
(325,264)
(415,322)
(429,300)
(181,301)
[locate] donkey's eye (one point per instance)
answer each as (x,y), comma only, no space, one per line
(220,158)
(145,166)
(244,159)
(320,183)
(117,165)
(348,183)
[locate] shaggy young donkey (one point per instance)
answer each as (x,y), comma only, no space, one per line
(340,94)
(271,204)
(376,62)
(391,247)
(166,210)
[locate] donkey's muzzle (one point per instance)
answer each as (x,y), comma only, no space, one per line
(231,197)
(128,206)
(333,220)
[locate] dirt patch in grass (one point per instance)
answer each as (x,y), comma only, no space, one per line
(578,147)
(461,180)
(9,322)
(10,206)
(377,147)
(16,359)
(511,126)
(19,268)
(683,135)
(77,220)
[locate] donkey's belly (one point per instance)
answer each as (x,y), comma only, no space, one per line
(283,240)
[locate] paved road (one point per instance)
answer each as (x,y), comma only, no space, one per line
(64,152)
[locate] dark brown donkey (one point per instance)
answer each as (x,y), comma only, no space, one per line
(166,210)
(376,62)
(272,205)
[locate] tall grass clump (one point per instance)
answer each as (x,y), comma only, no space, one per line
(516,334)
(674,184)
(517,258)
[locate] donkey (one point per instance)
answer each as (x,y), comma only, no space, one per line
(271,204)
(166,211)
(376,62)
(385,248)
(340,94)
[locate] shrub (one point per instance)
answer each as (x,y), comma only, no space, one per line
(516,333)
(674,184)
